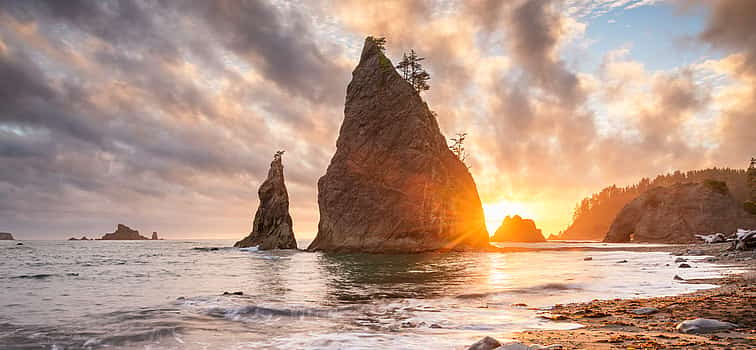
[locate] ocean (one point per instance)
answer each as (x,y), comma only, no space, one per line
(170,294)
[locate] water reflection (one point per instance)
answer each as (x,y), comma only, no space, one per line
(353,278)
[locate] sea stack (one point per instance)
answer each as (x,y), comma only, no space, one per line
(123,233)
(393,185)
(154,236)
(5,236)
(676,214)
(517,229)
(272,227)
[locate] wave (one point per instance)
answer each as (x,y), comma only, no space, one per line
(45,275)
(261,311)
(211,249)
(525,290)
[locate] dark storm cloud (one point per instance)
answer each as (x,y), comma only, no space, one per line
(731,27)
(132,102)
(535,31)
(276,42)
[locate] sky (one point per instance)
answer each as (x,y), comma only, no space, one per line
(165,115)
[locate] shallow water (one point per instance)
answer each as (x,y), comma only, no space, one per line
(168,294)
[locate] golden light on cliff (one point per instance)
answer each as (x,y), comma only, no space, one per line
(496,212)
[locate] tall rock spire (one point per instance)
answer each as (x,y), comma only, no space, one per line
(272,228)
(393,184)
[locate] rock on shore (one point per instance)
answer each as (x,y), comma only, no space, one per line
(676,214)
(393,184)
(272,227)
(123,233)
(5,236)
(517,229)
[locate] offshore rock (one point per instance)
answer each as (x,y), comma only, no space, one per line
(393,185)
(123,233)
(517,229)
(272,227)
(678,213)
(5,236)
(154,236)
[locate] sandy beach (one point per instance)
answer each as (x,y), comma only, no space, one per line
(611,324)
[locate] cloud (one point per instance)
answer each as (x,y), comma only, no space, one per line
(731,28)
(164,115)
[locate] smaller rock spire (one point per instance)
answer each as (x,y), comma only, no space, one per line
(272,226)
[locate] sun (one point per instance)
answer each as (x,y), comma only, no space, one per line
(496,212)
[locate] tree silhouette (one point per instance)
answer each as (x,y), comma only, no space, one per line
(278,155)
(458,147)
(413,72)
(380,42)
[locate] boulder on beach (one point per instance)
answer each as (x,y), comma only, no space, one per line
(5,236)
(704,325)
(272,226)
(745,239)
(393,185)
(517,229)
(123,233)
(486,343)
(678,213)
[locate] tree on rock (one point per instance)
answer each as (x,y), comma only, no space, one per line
(458,147)
(380,42)
(413,72)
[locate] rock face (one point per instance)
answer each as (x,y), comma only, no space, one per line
(154,236)
(123,233)
(393,185)
(678,213)
(517,229)
(5,236)
(272,227)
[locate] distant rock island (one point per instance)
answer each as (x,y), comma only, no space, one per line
(124,233)
(517,229)
(83,238)
(393,185)
(272,226)
(676,214)
(5,236)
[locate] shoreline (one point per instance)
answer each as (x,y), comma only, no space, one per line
(611,324)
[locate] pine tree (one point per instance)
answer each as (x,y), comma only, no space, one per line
(458,147)
(413,72)
(380,42)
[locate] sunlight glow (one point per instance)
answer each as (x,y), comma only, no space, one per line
(496,212)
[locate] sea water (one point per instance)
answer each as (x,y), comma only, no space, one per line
(169,294)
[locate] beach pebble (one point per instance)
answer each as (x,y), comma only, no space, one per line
(486,343)
(645,311)
(435,325)
(678,278)
(703,325)
(621,261)
(679,260)
(684,266)
(587,259)
(234,293)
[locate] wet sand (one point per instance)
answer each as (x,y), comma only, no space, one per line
(610,324)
